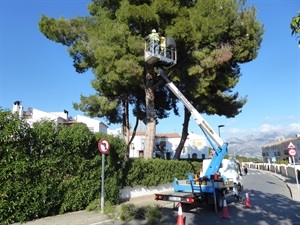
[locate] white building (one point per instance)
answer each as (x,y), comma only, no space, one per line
(94,125)
(165,146)
(279,150)
(33,115)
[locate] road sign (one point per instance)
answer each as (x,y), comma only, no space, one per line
(291,146)
(292,149)
(292,152)
(273,159)
(103,146)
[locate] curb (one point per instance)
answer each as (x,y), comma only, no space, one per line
(283,179)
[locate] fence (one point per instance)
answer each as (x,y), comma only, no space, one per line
(284,170)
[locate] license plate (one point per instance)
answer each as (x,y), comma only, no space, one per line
(177,199)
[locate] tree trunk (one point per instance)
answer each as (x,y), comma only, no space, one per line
(184,133)
(125,125)
(150,117)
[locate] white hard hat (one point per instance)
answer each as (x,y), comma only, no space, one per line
(153,31)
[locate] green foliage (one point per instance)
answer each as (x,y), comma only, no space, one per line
(130,212)
(154,172)
(52,170)
(246,159)
(282,161)
(151,213)
(46,170)
(213,37)
(295,26)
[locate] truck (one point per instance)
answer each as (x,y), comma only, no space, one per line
(220,177)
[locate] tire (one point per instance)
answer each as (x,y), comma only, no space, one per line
(219,201)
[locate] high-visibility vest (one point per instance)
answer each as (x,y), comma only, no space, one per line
(162,43)
(154,37)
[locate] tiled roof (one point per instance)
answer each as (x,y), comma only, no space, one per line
(167,135)
(162,135)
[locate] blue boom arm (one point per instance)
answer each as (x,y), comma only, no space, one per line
(219,146)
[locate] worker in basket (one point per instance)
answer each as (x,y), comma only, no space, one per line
(153,40)
(163,46)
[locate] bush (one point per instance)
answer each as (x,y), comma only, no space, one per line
(154,172)
(130,212)
(47,170)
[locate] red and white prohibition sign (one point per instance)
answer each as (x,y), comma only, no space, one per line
(292,149)
(103,146)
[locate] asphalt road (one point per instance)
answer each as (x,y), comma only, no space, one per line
(272,198)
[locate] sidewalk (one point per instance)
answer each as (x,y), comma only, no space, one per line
(94,218)
(291,184)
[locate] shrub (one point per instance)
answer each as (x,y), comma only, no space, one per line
(130,212)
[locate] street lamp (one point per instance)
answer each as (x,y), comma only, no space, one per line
(219,129)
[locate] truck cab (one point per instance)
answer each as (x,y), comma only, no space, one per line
(230,169)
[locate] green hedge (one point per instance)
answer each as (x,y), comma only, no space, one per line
(48,170)
(154,172)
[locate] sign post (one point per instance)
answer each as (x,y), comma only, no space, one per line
(292,152)
(103,147)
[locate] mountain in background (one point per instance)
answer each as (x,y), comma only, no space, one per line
(251,146)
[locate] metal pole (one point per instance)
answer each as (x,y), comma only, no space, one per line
(296,174)
(234,149)
(219,129)
(102,184)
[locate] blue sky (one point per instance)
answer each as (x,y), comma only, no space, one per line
(39,72)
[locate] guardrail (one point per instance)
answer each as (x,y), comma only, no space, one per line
(283,169)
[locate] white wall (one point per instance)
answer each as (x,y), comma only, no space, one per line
(194,144)
(136,146)
(93,124)
(33,115)
(37,115)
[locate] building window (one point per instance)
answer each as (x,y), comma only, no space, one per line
(168,155)
(141,154)
(194,156)
(132,146)
(199,144)
(143,144)
(162,144)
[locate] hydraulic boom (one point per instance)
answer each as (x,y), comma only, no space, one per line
(220,147)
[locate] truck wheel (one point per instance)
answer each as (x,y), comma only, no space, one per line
(219,201)
(238,198)
(185,207)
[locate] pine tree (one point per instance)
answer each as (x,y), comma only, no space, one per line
(213,37)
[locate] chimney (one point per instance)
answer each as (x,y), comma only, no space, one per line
(16,107)
(21,111)
(67,114)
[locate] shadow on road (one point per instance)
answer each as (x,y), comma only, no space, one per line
(267,209)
